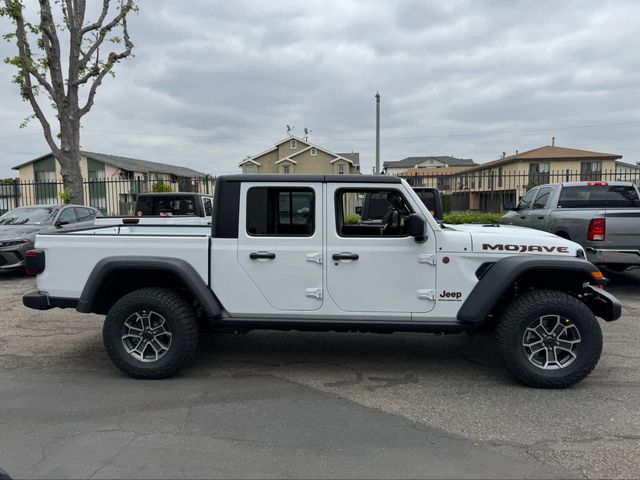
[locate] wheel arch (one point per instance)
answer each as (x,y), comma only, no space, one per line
(113,277)
(564,274)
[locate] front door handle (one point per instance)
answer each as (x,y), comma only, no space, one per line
(262,255)
(345,256)
(540,217)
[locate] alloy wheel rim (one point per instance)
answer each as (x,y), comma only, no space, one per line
(145,335)
(551,342)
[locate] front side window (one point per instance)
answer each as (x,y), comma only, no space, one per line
(365,213)
(280,211)
(525,202)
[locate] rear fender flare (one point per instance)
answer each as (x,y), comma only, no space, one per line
(183,270)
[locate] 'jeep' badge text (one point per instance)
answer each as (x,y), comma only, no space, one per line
(446,296)
(525,248)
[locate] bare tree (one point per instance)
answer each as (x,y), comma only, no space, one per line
(40,69)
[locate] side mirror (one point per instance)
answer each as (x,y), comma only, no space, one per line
(416,226)
(509,206)
(358,210)
(60,223)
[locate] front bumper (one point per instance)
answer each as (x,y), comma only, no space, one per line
(602,304)
(42,301)
(13,256)
(613,256)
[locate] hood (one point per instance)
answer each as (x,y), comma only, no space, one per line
(507,239)
(14,232)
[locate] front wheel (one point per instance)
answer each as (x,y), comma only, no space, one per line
(549,339)
(150,333)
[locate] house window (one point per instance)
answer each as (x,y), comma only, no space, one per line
(293,144)
(276,211)
(251,170)
(285,169)
(590,171)
(341,169)
(538,173)
(313,152)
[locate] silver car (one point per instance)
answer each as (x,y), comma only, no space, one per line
(18,228)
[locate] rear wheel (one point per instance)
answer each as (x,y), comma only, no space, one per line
(549,339)
(150,333)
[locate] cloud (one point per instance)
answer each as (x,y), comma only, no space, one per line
(215,81)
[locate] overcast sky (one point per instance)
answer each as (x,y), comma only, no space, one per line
(215,81)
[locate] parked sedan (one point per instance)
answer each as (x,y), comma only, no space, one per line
(18,228)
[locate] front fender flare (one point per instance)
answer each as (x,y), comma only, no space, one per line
(501,276)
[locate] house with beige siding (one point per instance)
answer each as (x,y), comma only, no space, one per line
(489,185)
(295,155)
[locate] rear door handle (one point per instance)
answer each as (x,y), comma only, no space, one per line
(262,255)
(345,256)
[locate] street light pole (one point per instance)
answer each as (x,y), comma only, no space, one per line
(377,133)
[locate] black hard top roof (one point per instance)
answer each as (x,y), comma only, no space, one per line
(275,177)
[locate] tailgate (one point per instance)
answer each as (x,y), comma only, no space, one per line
(623,228)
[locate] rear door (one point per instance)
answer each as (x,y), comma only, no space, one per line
(280,242)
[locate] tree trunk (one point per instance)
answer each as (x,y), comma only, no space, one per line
(69,153)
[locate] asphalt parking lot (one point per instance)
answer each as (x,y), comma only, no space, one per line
(272,404)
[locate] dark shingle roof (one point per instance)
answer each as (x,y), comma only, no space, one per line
(413,161)
(132,165)
(353,156)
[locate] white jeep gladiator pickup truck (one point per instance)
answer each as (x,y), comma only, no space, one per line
(284,252)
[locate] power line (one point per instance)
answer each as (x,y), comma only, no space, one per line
(387,137)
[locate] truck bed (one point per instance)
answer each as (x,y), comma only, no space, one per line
(73,255)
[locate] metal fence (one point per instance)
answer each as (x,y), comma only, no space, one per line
(488,191)
(113,197)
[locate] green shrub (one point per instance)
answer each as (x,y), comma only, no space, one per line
(351,219)
(160,187)
(471,217)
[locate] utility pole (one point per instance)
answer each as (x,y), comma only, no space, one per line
(377,133)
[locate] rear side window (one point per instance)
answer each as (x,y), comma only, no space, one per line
(598,196)
(85,214)
(166,206)
(542,198)
(206,201)
(280,211)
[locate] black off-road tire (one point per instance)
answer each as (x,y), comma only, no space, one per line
(180,318)
(524,311)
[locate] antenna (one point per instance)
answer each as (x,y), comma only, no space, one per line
(306,133)
(289,130)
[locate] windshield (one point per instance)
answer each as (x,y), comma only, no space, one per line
(28,216)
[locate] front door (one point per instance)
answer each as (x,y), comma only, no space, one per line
(375,266)
(280,243)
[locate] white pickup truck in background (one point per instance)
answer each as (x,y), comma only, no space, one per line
(282,253)
(166,208)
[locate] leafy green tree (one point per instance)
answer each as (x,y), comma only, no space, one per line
(65,39)
(160,187)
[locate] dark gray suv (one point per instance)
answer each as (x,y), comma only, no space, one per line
(18,228)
